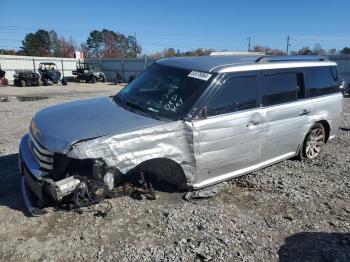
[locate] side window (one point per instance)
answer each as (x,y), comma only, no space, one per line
(235,94)
(282,88)
(322,81)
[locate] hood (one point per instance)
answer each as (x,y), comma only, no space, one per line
(58,127)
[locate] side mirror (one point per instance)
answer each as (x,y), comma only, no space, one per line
(342,84)
(203,113)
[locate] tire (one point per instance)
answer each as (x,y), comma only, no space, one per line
(103,79)
(313,143)
(45,82)
(93,80)
(64,81)
(22,83)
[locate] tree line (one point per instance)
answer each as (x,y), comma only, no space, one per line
(110,44)
(99,44)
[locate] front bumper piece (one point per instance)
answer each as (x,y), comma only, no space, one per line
(35,187)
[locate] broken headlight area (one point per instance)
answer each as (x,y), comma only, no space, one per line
(79,183)
(76,183)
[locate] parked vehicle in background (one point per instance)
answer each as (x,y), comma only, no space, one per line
(118,78)
(85,72)
(188,121)
(3,80)
(133,77)
(26,78)
(345,88)
(49,74)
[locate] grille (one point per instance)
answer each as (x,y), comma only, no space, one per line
(42,155)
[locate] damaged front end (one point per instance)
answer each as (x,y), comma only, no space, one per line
(51,178)
(95,169)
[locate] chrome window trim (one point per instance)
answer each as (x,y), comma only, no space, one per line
(267,66)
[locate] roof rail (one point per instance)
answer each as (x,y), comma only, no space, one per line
(268,59)
(235,53)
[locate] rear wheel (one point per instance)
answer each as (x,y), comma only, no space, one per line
(93,80)
(313,143)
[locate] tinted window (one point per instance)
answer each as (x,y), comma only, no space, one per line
(282,88)
(236,94)
(322,81)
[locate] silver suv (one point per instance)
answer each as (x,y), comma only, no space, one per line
(191,122)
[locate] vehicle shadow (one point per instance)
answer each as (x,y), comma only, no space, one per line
(10,183)
(316,246)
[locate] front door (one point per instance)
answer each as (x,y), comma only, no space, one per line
(229,139)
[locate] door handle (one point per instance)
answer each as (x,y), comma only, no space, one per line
(304,112)
(253,123)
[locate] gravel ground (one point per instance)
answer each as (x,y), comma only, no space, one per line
(291,211)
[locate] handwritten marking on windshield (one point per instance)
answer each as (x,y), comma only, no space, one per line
(174,103)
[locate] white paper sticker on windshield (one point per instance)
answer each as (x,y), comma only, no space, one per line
(200,75)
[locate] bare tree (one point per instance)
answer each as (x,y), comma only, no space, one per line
(66,48)
(332,51)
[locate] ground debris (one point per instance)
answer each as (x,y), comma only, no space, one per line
(207,192)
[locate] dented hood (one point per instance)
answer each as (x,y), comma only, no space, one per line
(58,127)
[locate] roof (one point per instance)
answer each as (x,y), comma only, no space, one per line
(221,64)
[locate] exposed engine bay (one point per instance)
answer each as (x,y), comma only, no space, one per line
(82,188)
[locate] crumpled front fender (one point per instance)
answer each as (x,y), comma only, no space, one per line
(126,151)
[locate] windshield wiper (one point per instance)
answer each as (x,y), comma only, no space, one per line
(135,107)
(139,108)
(119,101)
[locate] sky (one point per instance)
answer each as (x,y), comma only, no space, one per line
(184,24)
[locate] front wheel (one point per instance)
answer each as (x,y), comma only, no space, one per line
(313,143)
(45,82)
(22,83)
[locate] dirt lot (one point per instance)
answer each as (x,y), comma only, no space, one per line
(292,211)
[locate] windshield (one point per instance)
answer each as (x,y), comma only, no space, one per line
(164,92)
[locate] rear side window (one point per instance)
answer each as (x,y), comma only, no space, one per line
(282,88)
(322,80)
(235,94)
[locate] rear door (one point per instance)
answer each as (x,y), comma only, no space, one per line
(229,139)
(285,110)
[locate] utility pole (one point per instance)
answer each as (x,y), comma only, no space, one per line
(135,46)
(288,44)
(249,42)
